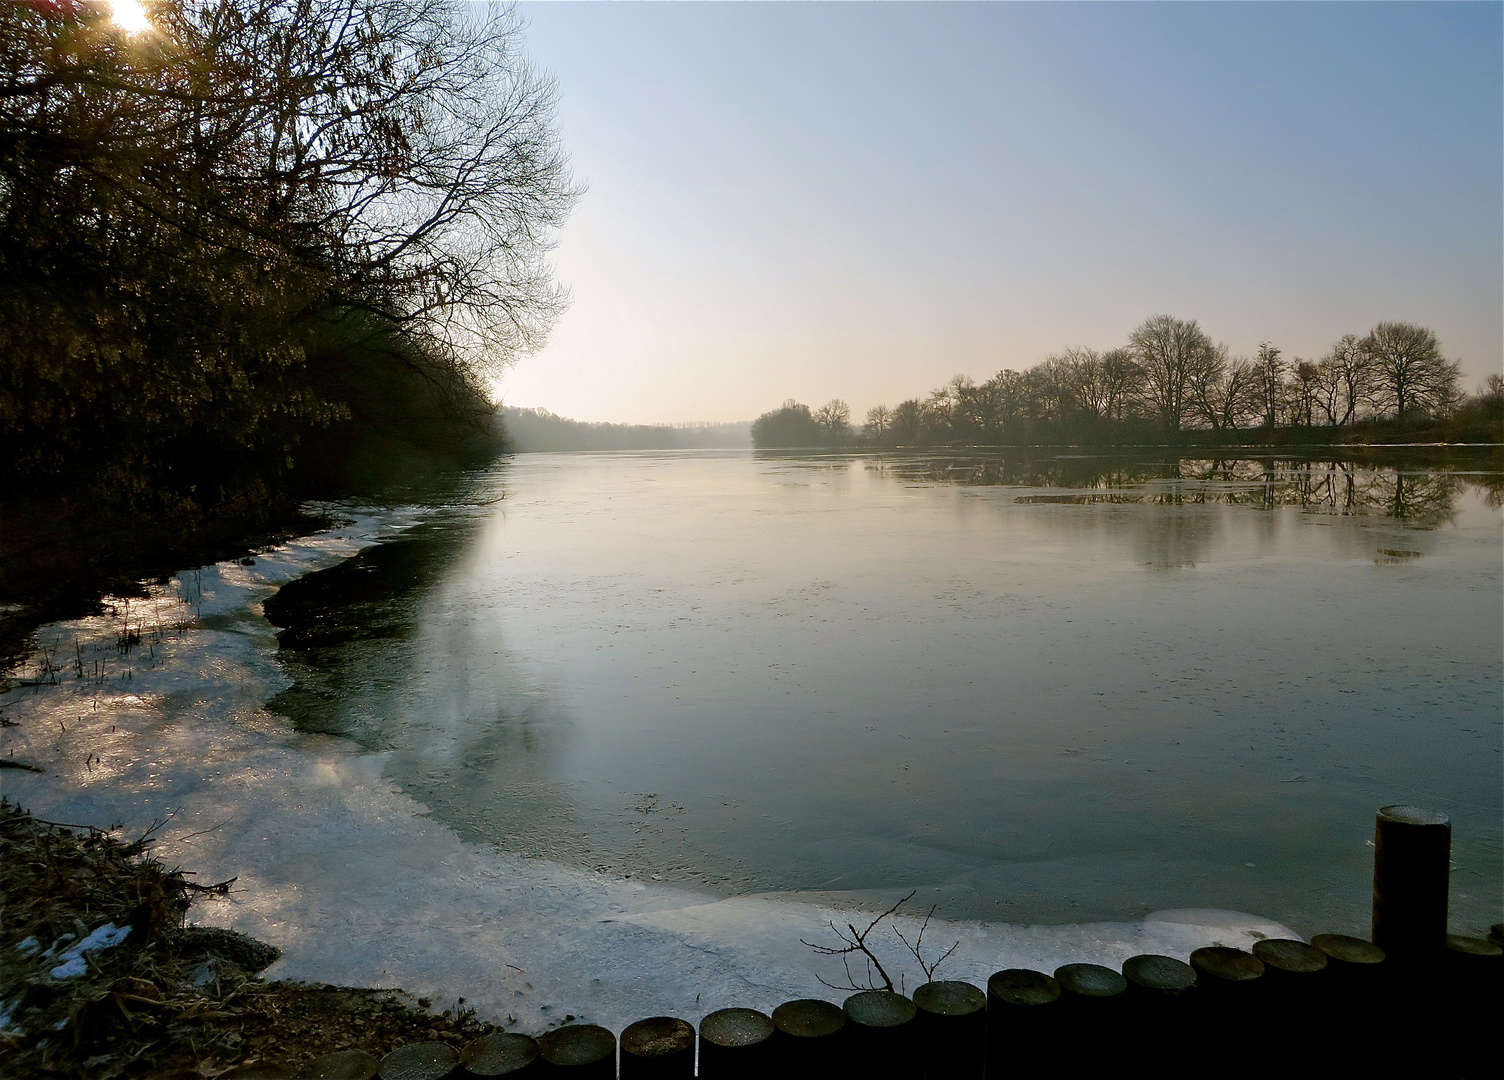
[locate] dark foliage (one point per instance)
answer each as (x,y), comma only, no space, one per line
(265,238)
(794,425)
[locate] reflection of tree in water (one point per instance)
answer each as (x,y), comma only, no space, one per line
(1491,487)
(1173,541)
(382,652)
(1420,496)
(1097,473)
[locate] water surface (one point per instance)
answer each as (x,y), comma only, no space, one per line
(1037,690)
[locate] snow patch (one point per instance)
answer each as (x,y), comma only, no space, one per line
(102,937)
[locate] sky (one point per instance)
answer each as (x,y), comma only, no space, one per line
(861,200)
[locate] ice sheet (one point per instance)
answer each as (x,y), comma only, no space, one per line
(356,885)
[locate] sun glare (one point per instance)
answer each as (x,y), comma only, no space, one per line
(130,16)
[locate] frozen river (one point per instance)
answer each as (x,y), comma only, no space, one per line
(601,688)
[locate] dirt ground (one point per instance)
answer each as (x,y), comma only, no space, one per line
(163,1000)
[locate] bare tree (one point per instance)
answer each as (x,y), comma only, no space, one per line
(1347,380)
(1271,382)
(879,419)
(1172,354)
(1001,402)
(1410,375)
(1122,383)
(1304,393)
(1079,382)
(1225,393)
(908,422)
(835,417)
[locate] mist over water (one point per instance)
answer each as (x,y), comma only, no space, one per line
(1037,690)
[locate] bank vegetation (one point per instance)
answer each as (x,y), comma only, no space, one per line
(255,249)
(1170,383)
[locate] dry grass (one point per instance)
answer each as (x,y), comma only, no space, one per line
(168,1001)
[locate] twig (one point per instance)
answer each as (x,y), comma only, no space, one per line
(8,763)
(67,825)
(928,968)
(201,832)
(222,888)
(145,839)
(856,942)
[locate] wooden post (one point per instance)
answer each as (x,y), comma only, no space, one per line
(880,1033)
(1093,999)
(658,1048)
(1286,960)
(1356,972)
(1351,959)
(1091,987)
(951,1030)
(419,1061)
(1474,969)
(1161,1002)
(1228,971)
(344,1065)
(1158,981)
(1229,1002)
(807,1036)
(1411,876)
(736,1044)
(1297,984)
(582,1050)
(502,1053)
(1022,1029)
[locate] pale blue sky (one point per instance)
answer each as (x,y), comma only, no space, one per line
(860,200)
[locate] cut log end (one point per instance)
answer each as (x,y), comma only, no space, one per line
(1089,981)
(1161,974)
(878,1009)
(949,998)
(1413,815)
(576,1045)
(419,1061)
(499,1054)
(1479,948)
(735,1029)
(1349,950)
(808,1018)
(1290,957)
(1023,988)
(658,1036)
(1223,964)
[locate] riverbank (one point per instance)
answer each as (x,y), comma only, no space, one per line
(100,977)
(59,558)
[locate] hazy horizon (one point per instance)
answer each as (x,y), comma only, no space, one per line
(860,201)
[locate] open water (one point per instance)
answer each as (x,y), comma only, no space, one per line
(1036,690)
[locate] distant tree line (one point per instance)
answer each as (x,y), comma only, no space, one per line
(536,430)
(266,246)
(796,425)
(1171,381)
